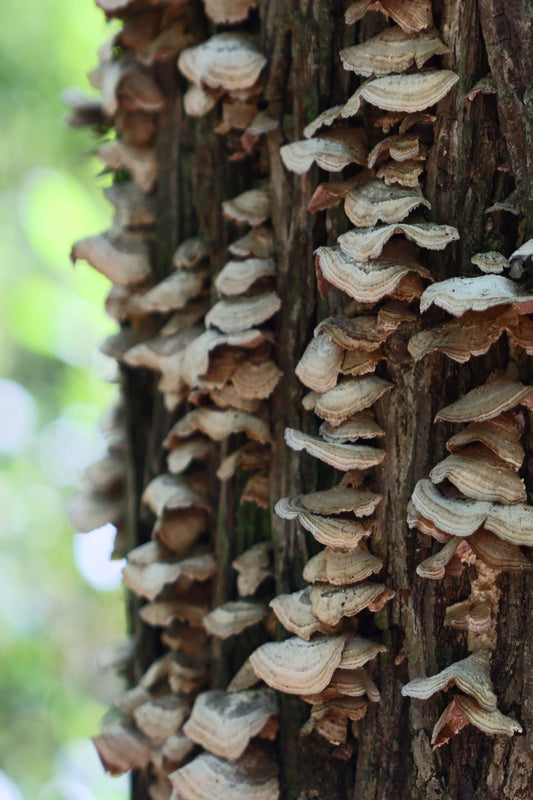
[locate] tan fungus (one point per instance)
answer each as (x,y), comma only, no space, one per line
(253,567)
(320,363)
(366,205)
(224,723)
(236,277)
(413,92)
(349,397)
(487,401)
(218,425)
(122,747)
(208,777)
(162,716)
(169,492)
(481,475)
(463,710)
(296,666)
(330,154)
(249,208)
(500,434)
(233,618)
(363,244)
(330,604)
(257,243)
(471,675)
(126,262)
(340,456)
(338,500)
(411,15)
(295,613)
(392,50)
(400,147)
(340,567)
(405,173)
(325,119)
(367,282)
(461,517)
(490,262)
(473,334)
(227,60)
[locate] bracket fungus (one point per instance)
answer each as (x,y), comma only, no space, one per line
(331,154)
(223,723)
(366,205)
(392,50)
(412,92)
(411,15)
(227,61)
(363,244)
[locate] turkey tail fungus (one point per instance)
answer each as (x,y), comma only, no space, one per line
(318,207)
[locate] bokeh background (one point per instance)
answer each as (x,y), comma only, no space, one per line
(60,600)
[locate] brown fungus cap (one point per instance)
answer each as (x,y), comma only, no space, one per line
(122,747)
(331,531)
(218,425)
(463,710)
(398,147)
(253,567)
(162,716)
(473,334)
(411,15)
(405,173)
(339,500)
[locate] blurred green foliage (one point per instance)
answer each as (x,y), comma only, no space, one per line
(52,621)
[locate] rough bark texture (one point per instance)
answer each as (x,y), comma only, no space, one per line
(392,758)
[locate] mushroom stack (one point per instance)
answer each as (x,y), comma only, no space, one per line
(475,505)
(157,322)
(340,363)
(102,500)
(484,308)
(227,69)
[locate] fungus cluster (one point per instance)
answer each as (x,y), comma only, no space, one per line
(217,359)
(343,366)
(210,345)
(475,502)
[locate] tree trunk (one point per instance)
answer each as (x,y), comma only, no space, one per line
(480,153)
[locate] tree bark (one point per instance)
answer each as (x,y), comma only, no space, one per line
(390,756)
